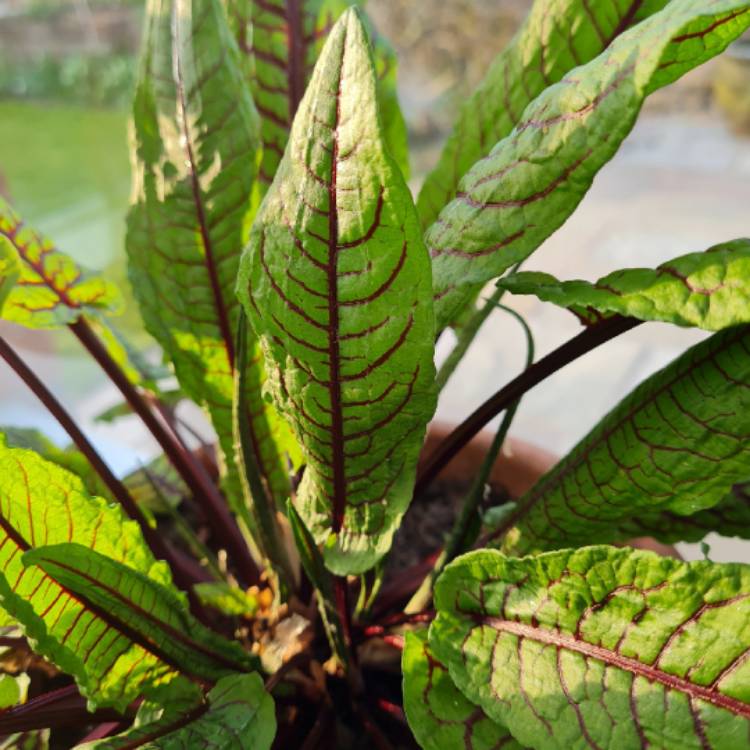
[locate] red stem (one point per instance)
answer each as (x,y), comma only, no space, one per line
(576,347)
(217,514)
(341,595)
(63,707)
(115,486)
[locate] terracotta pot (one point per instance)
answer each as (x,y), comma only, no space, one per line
(517,469)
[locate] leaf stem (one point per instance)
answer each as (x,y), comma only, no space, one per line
(66,421)
(466,335)
(571,350)
(218,516)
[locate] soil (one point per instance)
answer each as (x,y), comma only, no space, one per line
(429,519)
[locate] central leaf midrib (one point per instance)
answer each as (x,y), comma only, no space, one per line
(334,379)
(221,311)
(142,614)
(296,60)
(589,650)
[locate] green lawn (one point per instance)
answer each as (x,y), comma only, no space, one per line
(67,171)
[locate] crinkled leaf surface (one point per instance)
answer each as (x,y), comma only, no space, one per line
(709,290)
(531,181)
(51,290)
(678,442)
(238,715)
(557,35)
(335,281)
(440,716)
(194,162)
(42,504)
(345,248)
(282,40)
(149,612)
(600,647)
(729,517)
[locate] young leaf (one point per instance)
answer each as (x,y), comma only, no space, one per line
(709,290)
(237,715)
(336,282)
(531,181)
(555,37)
(729,517)
(150,613)
(600,647)
(678,442)
(282,39)
(40,504)
(50,290)
(196,137)
(438,713)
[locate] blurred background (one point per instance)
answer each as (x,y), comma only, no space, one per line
(680,183)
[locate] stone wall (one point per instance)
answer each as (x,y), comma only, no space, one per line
(74,29)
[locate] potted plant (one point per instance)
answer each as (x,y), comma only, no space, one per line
(297,291)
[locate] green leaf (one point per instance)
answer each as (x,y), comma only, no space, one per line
(238,715)
(336,282)
(729,517)
(438,713)
(43,504)
(68,458)
(282,40)
(51,289)
(13,689)
(194,154)
(678,443)
(149,612)
(532,180)
(709,290)
(557,35)
(227,599)
(10,269)
(600,647)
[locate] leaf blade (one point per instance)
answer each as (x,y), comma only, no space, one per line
(595,634)
(533,179)
(439,714)
(554,38)
(152,613)
(50,290)
(335,282)
(41,503)
(709,290)
(676,443)
(194,157)
(238,714)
